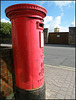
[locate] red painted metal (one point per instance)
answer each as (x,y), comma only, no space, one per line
(27,25)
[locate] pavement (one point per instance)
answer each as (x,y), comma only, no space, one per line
(59,72)
(60,82)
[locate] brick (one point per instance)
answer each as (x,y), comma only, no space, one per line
(5,79)
(4,87)
(56,88)
(10,80)
(11,88)
(69,93)
(52,97)
(60,96)
(7,93)
(62,81)
(10,84)
(3,62)
(59,84)
(7,89)
(1,80)
(48,93)
(62,92)
(67,82)
(65,86)
(4,75)
(4,71)
(3,83)
(9,73)
(53,93)
(67,97)
(70,90)
(73,97)
(3,66)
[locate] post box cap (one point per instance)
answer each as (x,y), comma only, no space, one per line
(25,9)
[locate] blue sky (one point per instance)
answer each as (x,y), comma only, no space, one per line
(59,13)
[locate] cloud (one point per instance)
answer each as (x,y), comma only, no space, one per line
(57,3)
(62,14)
(51,23)
(4,20)
(63,3)
(64,28)
(72,24)
(47,19)
(41,2)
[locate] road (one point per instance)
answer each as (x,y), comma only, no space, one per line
(59,55)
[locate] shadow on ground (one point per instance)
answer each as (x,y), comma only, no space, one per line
(60,45)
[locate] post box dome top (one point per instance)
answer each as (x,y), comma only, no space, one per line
(25,9)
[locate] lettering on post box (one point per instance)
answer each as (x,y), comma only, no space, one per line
(41,72)
(40,79)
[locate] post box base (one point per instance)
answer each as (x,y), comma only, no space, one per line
(30,94)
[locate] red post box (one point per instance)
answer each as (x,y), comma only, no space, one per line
(28,42)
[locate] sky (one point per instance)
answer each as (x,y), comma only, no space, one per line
(60,14)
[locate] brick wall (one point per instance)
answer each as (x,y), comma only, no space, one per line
(7,76)
(72,35)
(46,34)
(58,37)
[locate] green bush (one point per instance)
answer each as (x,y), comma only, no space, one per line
(5,28)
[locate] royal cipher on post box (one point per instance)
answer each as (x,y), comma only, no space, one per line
(27,43)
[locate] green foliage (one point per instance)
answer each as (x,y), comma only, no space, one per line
(5,28)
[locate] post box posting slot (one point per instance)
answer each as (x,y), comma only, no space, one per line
(40,25)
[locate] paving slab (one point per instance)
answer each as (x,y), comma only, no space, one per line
(57,85)
(60,82)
